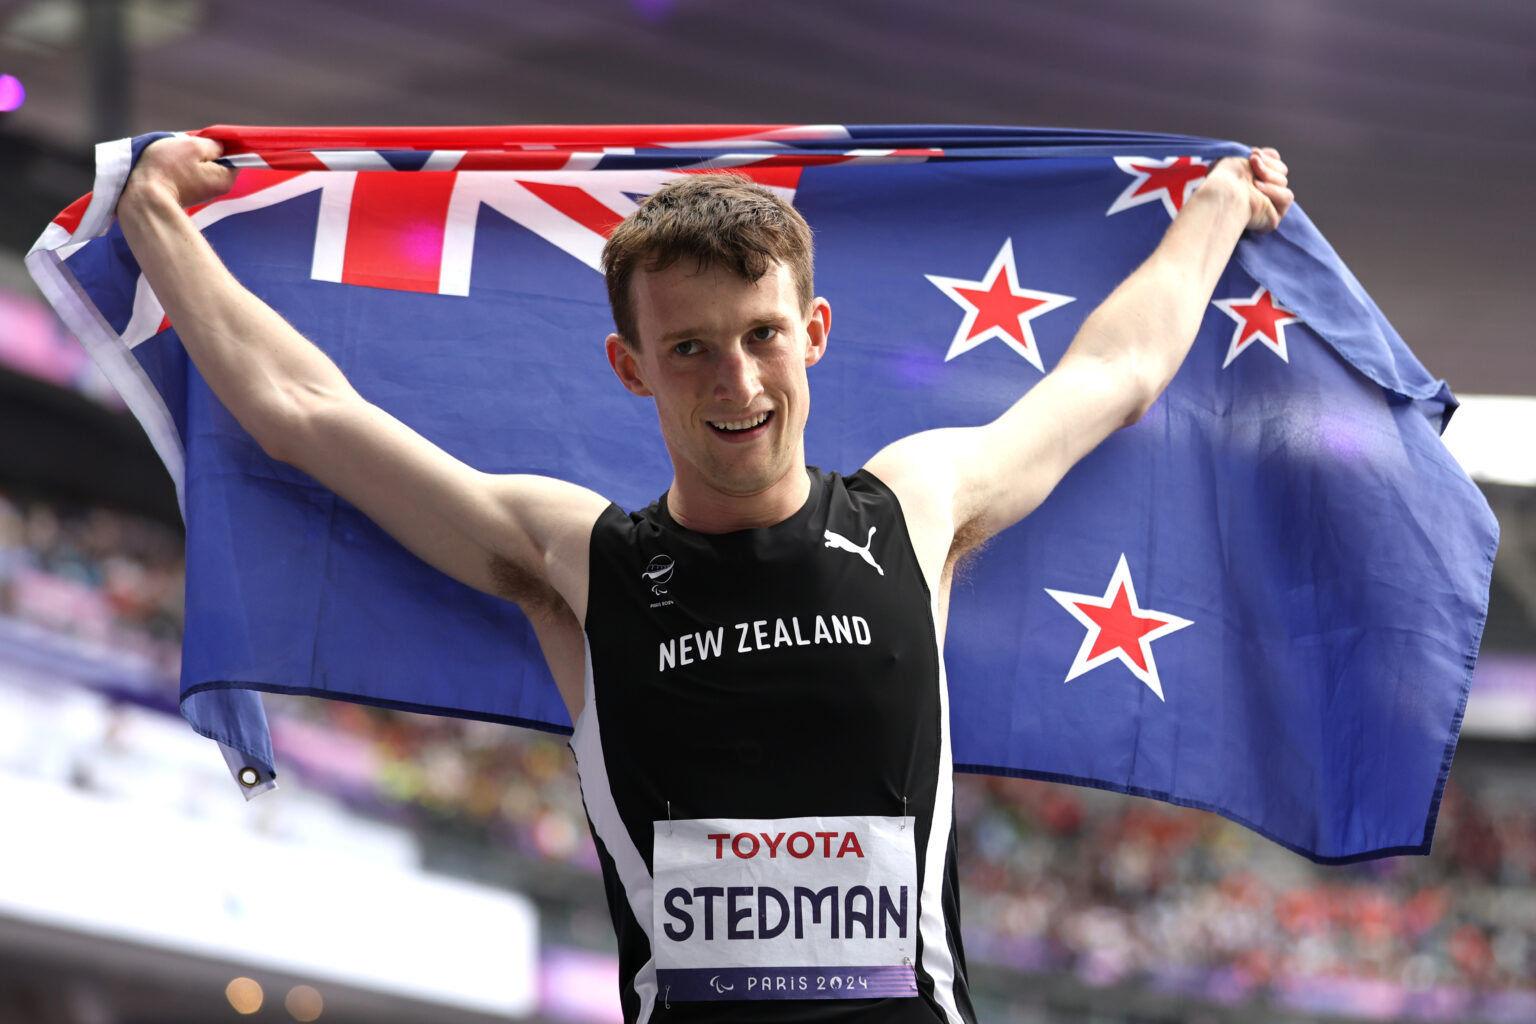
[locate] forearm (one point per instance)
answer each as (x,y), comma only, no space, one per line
(1123,357)
(265,372)
(1147,325)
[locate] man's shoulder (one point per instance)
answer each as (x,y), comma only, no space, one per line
(915,471)
(919,474)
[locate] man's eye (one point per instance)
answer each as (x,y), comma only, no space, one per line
(764,333)
(686,348)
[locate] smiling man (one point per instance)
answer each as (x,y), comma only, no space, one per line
(711,288)
(753,663)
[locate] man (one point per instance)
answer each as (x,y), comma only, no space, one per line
(753,663)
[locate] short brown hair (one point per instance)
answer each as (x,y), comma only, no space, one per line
(717,220)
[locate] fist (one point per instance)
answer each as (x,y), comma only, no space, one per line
(181,167)
(1263,180)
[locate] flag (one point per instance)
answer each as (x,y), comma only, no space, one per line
(1263,599)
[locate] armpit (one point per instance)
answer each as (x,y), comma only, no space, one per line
(530,592)
(969,541)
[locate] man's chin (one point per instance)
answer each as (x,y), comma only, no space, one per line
(745,481)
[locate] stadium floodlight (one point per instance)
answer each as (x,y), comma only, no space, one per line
(1492,437)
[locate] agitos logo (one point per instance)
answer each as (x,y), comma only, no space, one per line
(658,572)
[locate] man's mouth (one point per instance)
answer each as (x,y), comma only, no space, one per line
(743,425)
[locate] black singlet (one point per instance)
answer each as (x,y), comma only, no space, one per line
(776,673)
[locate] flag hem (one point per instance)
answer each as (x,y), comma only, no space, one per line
(1470,661)
(116,360)
(1199,805)
(377,702)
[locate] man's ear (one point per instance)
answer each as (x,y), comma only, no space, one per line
(816,329)
(625,366)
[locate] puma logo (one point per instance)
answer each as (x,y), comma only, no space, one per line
(837,540)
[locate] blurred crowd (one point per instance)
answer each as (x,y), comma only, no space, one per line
(1058,879)
(102,578)
(1116,888)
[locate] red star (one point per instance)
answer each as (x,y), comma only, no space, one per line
(999,308)
(1258,318)
(1118,629)
(996,307)
(1169,181)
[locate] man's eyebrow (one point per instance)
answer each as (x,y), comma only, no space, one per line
(685,334)
(690,333)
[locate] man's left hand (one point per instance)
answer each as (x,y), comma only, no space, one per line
(1263,178)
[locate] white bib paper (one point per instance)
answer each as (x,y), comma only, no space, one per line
(785,908)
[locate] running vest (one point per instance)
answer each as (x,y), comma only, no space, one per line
(764,758)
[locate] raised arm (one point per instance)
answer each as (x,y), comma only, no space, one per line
(961,486)
(523,538)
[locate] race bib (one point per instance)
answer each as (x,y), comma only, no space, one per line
(785,908)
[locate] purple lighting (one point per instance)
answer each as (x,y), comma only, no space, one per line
(653,10)
(12,93)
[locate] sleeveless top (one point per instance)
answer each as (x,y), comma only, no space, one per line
(764,759)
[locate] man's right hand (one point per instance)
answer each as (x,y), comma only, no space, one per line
(181,168)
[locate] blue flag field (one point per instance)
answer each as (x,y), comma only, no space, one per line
(1264,599)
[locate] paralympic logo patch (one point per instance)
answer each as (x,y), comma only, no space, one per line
(658,571)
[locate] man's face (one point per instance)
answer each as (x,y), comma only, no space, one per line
(726,362)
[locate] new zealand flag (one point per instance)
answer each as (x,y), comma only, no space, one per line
(1263,599)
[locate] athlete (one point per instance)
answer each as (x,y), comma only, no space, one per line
(752,663)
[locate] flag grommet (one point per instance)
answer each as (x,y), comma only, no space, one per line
(249,777)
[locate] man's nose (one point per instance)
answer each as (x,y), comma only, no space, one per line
(736,378)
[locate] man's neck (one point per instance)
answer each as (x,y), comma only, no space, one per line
(706,510)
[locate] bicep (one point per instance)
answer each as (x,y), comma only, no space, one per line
(505,535)
(984,479)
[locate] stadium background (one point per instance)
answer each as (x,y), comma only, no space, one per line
(414,869)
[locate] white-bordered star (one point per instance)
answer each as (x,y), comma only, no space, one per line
(996,307)
(1119,629)
(1258,318)
(1169,180)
